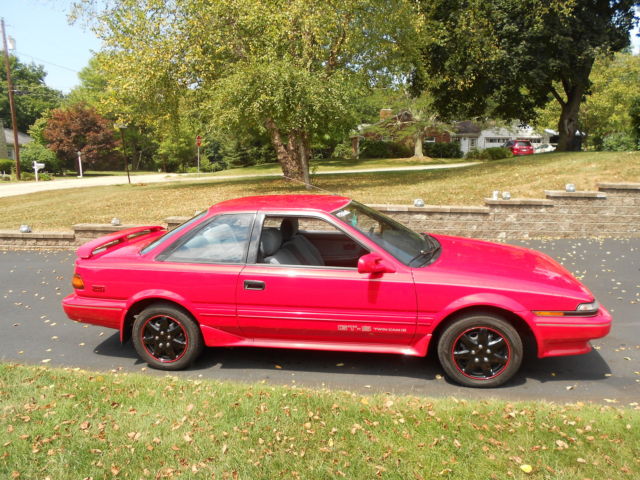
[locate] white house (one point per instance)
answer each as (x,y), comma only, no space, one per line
(472,136)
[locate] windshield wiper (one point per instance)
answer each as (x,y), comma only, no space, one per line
(429,252)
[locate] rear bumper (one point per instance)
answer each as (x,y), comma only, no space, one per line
(105,313)
(570,335)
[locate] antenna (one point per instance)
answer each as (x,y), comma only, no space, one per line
(308,185)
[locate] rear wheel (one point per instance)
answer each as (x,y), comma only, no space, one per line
(166,337)
(480,350)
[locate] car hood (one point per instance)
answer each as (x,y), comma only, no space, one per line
(504,266)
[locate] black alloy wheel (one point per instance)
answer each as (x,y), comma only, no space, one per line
(166,337)
(480,351)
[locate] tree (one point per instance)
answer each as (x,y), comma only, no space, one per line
(287,68)
(608,110)
(80,129)
(505,58)
(93,85)
(32,96)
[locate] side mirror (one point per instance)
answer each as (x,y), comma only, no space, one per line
(372,263)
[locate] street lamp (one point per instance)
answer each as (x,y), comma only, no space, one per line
(121,127)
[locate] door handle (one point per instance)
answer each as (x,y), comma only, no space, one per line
(253,285)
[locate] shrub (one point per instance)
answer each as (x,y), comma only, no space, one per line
(6,165)
(619,142)
(34,152)
(381,149)
(493,153)
(497,153)
(342,150)
(443,150)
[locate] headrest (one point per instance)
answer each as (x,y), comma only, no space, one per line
(270,241)
(288,228)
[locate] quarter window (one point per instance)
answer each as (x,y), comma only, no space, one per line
(222,240)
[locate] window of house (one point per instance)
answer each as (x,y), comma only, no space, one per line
(473,142)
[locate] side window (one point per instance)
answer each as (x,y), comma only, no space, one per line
(222,240)
(306,241)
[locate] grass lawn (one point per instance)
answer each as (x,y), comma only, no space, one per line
(63,424)
(523,177)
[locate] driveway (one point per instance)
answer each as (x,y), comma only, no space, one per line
(36,331)
(22,188)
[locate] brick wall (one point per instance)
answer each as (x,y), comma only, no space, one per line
(612,211)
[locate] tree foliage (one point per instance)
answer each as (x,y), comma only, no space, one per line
(287,69)
(608,110)
(505,58)
(79,128)
(32,96)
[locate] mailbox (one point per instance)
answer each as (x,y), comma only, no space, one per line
(38,166)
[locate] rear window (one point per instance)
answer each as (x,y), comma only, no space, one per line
(523,144)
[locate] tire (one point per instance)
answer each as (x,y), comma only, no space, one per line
(480,350)
(166,337)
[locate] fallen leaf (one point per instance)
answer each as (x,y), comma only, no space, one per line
(526,468)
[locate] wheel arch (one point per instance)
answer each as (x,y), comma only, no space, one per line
(137,307)
(529,340)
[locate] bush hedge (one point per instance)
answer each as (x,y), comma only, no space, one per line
(381,149)
(6,165)
(443,150)
(494,153)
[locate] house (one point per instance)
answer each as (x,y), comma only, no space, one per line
(6,143)
(472,136)
(398,128)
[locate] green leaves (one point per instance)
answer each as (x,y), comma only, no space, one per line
(235,64)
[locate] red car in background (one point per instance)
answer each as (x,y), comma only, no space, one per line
(327,273)
(519,147)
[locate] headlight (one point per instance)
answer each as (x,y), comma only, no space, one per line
(582,310)
(588,307)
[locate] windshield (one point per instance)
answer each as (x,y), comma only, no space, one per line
(404,244)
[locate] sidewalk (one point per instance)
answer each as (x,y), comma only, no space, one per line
(23,188)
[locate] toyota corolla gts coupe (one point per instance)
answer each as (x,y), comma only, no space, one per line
(325,272)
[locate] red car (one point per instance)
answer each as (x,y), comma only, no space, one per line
(519,147)
(328,273)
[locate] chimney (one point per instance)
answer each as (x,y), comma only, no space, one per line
(385,113)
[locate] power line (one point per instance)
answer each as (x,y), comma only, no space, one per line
(47,62)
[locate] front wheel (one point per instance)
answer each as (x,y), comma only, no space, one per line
(480,350)
(166,337)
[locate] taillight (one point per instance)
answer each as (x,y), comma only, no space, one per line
(77,282)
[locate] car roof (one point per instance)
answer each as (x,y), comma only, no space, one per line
(324,203)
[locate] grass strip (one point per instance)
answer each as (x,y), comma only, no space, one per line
(73,424)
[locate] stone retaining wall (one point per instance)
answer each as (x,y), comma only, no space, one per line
(612,211)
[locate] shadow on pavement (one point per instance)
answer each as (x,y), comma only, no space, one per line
(589,367)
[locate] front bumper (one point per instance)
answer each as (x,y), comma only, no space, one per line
(96,311)
(570,335)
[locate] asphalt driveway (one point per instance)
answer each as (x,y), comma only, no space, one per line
(36,331)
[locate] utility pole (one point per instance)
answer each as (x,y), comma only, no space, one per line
(12,105)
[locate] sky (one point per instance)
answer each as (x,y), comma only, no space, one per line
(43,35)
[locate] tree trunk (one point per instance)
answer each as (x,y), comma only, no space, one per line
(568,124)
(417,149)
(294,155)
(305,154)
(574,89)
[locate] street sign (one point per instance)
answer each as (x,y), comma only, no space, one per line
(199,141)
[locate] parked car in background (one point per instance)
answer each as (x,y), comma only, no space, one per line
(544,148)
(322,272)
(519,147)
